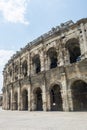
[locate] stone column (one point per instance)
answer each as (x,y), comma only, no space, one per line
(44,98)
(66,56)
(83,41)
(28,63)
(29,99)
(48,101)
(4,100)
(64,93)
(33,102)
(13,77)
(60,59)
(31,66)
(19,100)
(70,99)
(46,61)
(58,56)
(20,70)
(42,61)
(7,102)
(11,99)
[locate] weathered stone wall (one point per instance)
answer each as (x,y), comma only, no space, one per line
(55,58)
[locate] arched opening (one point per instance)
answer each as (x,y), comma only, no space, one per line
(16,70)
(16,101)
(52,55)
(25,100)
(36,63)
(73,47)
(24,68)
(56,99)
(38,98)
(79,95)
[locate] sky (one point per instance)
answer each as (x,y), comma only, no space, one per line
(21,21)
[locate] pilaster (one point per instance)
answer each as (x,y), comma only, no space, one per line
(29,99)
(84,41)
(70,100)
(33,104)
(64,93)
(48,101)
(19,99)
(42,61)
(11,99)
(44,98)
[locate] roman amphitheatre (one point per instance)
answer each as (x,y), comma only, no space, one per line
(49,73)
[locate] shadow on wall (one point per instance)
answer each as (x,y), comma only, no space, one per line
(1,99)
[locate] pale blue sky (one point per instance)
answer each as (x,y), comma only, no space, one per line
(22,21)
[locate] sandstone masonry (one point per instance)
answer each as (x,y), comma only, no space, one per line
(50,73)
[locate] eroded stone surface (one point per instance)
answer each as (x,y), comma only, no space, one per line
(50,73)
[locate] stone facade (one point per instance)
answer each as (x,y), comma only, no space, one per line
(50,73)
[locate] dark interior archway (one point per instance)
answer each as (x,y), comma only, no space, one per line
(73,47)
(56,99)
(38,95)
(36,63)
(25,99)
(52,54)
(16,70)
(24,68)
(79,95)
(16,101)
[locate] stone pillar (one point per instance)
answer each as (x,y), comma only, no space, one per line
(28,64)
(44,98)
(33,105)
(31,66)
(70,99)
(46,63)
(66,56)
(19,100)
(13,77)
(42,61)
(60,59)
(7,102)
(83,41)
(20,70)
(64,93)
(58,56)
(48,101)
(29,99)
(11,99)
(4,100)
